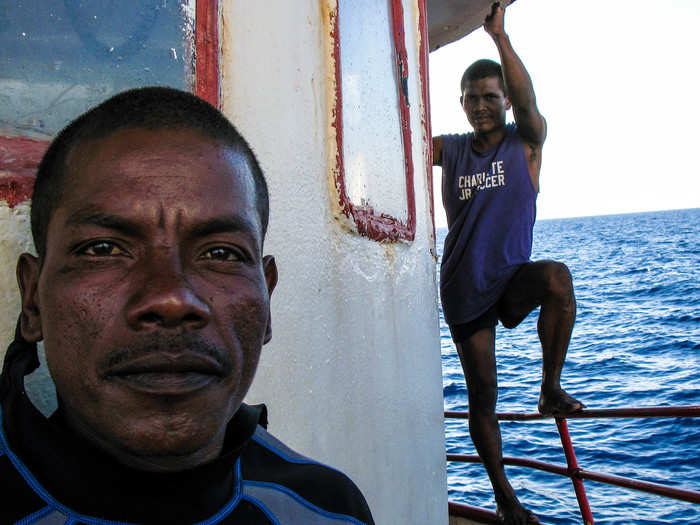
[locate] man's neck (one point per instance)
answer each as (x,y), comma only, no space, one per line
(483,141)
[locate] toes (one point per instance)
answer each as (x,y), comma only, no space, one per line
(574,405)
(515,519)
(570,405)
(561,406)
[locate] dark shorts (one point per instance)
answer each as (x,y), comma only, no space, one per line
(463,331)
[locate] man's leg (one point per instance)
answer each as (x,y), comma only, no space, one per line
(546,284)
(478,358)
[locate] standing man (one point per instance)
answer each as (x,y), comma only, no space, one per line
(489,187)
(151,294)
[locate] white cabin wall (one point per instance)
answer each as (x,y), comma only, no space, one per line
(15,238)
(352,376)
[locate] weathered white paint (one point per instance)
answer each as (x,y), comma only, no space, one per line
(15,238)
(352,376)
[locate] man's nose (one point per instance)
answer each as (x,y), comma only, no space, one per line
(164,298)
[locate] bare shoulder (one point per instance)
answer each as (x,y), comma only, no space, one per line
(437,151)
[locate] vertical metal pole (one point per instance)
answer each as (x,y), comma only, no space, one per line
(573,471)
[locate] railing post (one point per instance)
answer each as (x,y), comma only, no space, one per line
(573,471)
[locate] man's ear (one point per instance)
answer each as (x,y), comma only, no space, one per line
(270,270)
(28,269)
(508,104)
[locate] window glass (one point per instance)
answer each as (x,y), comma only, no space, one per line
(373,150)
(60,57)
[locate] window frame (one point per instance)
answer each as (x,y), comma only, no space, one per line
(20,156)
(369,223)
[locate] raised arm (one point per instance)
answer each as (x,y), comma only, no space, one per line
(531,125)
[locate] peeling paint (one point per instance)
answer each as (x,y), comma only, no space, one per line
(19,159)
(329,11)
(208,52)
(15,190)
(423,54)
(15,238)
(365,221)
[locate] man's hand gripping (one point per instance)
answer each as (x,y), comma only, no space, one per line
(493,24)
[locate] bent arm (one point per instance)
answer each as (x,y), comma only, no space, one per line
(531,124)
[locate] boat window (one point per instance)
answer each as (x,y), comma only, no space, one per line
(60,57)
(374,170)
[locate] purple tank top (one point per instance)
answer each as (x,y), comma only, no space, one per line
(490,203)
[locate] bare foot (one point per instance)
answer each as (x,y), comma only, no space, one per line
(515,514)
(558,403)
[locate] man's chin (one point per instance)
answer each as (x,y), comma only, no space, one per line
(167,449)
(485,129)
(160,441)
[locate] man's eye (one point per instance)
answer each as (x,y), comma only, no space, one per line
(221,254)
(102,249)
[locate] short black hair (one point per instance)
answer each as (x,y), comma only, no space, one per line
(483,68)
(149,108)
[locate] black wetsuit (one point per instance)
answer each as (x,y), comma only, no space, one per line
(49,475)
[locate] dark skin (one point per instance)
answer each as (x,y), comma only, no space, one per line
(546,284)
(153,296)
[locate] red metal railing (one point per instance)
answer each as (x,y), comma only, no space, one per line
(572,470)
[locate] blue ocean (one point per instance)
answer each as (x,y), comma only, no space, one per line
(636,343)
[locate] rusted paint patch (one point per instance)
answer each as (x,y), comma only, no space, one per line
(19,159)
(329,17)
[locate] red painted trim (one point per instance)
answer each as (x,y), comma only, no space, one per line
(207,52)
(573,469)
(691,496)
(679,411)
(380,227)
(19,159)
(427,127)
(460,510)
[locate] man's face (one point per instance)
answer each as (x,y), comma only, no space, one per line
(485,104)
(153,298)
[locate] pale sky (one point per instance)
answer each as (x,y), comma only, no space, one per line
(617,81)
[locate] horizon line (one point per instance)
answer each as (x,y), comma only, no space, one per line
(611,214)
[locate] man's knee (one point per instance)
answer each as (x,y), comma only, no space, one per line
(558,280)
(483,394)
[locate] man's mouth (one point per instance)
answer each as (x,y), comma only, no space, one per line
(167,374)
